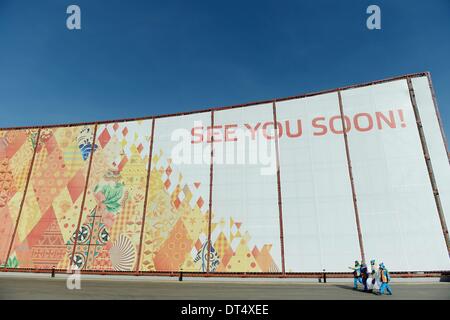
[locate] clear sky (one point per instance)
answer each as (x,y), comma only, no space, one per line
(140,58)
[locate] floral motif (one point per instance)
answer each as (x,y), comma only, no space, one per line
(109,196)
(84,142)
(203,255)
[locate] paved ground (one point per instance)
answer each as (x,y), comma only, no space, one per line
(44,287)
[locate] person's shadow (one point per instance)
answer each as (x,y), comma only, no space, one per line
(350,287)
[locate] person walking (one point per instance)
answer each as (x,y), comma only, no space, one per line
(356,274)
(364,276)
(373,281)
(384,279)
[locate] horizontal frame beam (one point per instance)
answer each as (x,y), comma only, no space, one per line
(412,75)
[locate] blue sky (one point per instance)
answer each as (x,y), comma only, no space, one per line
(140,58)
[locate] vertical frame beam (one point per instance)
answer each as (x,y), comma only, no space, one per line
(426,154)
(77,230)
(280,204)
(211,169)
(352,183)
(438,115)
(24,195)
(146,196)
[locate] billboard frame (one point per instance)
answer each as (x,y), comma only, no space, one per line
(248,104)
(212,110)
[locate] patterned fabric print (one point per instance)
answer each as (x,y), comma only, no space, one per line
(176,231)
(16,152)
(115,197)
(93,236)
(203,255)
(176,225)
(235,255)
(52,203)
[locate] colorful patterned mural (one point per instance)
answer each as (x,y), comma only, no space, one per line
(69,200)
(176,230)
(176,222)
(175,235)
(109,234)
(232,247)
(53,198)
(16,152)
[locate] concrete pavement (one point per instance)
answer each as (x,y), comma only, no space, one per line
(41,286)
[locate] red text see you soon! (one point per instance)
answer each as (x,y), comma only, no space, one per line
(361,122)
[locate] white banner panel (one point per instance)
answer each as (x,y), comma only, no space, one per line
(435,142)
(319,219)
(245,224)
(176,225)
(400,224)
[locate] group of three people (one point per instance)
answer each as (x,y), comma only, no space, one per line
(378,279)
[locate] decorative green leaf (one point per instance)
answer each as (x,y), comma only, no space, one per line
(12,262)
(112,194)
(113,207)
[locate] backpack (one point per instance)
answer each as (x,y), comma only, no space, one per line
(384,276)
(364,273)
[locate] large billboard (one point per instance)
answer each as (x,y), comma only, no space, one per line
(288,186)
